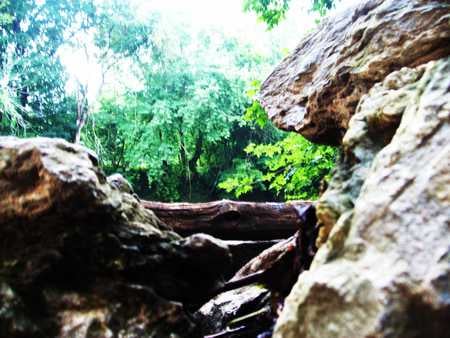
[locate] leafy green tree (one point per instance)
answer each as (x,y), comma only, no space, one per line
(33,91)
(175,136)
(273,11)
(293,168)
(11,111)
(172,118)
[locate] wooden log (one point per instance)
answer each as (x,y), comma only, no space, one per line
(279,260)
(287,258)
(297,251)
(231,219)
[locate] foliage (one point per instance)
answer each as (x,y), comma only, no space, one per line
(178,121)
(175,135)
(322,6)
(118,34)
(273,11)
(292,167)
(269,11)
(11,112)
(255,113)
(33,86)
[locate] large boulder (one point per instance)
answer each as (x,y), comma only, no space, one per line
(316,89)
(384,270)
(80,257)
(375,79)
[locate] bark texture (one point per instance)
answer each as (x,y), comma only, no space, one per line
(249,303)
(233,220)
(316,89)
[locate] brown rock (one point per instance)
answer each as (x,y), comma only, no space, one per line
(48,178)
(81,258)
(316,89)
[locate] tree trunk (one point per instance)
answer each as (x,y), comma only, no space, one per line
(82,110)
(233,220)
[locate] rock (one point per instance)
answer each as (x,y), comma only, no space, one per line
(384,271)
(45,178)
(219,311)
(371,128)
(316,89)
(364,80)
(120,183)
(80,258)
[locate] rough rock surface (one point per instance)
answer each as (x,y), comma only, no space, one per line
(219,311)
(385,269)
(81,258)
(42,179)
(371,129)
(316,89)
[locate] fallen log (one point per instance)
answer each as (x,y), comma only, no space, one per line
(282,259)
(288,258)
(227,219)
(261,284)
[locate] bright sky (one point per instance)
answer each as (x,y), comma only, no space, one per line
(226,15)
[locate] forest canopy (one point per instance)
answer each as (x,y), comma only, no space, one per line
(174,110)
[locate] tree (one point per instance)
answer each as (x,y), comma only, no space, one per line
(170,111)
(273,11)
(174,136)
(33,77)
(292,167)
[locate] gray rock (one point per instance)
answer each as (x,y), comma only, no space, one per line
(371,128)
(385,269)
(120,183)
(219,311)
